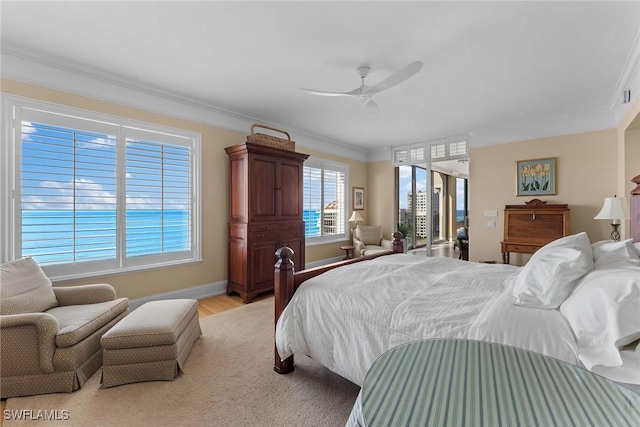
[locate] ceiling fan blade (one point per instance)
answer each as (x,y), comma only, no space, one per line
(396,78)
(323,93)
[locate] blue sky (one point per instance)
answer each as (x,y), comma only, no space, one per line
(50,181)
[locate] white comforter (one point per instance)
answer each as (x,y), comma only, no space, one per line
(346,318)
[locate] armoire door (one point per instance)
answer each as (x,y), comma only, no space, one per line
(262,188)
(290,191)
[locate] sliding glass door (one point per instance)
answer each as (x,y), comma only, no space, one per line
(462,206)
(431,206)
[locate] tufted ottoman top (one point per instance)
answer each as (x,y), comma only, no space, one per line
(152,324)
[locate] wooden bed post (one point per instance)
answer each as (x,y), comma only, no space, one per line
(397,242)
(283,291)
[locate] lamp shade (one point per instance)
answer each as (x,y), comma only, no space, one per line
(613,208)
(356,217)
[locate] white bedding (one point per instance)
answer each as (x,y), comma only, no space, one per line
(542,331)
(346,318)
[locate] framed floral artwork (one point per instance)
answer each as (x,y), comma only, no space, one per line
(536,177)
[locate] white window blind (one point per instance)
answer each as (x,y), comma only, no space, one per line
(453,147)
(438,149)
(408,155)
(324,199)
(400,156)
(458,146)
(68,193)
(94,196)
(158,185)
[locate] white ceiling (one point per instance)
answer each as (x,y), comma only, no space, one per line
(488,66)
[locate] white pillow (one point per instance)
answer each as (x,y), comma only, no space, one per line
(605,246)
(604,311)
(621,257)
(553,271)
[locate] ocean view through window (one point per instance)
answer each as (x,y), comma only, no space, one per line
(101,195)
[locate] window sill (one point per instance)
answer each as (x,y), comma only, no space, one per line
(119,271)
(325,241)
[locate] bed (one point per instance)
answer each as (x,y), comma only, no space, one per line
(582,297)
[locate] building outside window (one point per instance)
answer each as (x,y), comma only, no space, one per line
(325,200)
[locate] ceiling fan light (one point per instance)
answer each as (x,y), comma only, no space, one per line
(371,106)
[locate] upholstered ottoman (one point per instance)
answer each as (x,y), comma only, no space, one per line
(150,344)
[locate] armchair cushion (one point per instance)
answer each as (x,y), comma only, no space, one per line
(77,322)
(25,288)
(369,234)
(84,294)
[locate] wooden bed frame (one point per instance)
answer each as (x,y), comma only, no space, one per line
(287,281)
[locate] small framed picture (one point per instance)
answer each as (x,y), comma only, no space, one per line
(536,177)
(358,198)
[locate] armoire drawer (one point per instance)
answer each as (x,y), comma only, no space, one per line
(261,228)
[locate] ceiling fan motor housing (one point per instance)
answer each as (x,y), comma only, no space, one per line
(363,71)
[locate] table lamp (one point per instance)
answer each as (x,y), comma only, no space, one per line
(615,209)
(355,217)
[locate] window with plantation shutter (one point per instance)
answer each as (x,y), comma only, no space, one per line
(453,147)
(418,154)
(399,156)
(324,200)
(438,150)
(158,186)
(458,147)
(94,194)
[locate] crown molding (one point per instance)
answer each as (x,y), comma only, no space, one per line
(47,71)
(550,127)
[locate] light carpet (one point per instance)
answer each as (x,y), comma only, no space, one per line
(228,381)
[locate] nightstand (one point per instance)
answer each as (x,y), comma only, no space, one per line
(348,251)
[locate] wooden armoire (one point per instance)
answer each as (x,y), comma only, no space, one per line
(265,202)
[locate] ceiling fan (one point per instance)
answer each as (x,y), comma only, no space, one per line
(364,92)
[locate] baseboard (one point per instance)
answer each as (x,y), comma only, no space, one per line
(323,262)
(196,292)
(208,290)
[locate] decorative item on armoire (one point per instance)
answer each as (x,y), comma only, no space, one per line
(270,140)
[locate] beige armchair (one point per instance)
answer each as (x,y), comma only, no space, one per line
(51,335)
(367,240)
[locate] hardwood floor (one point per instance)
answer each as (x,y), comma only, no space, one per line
(443,249)
(220,303)
(206,307)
